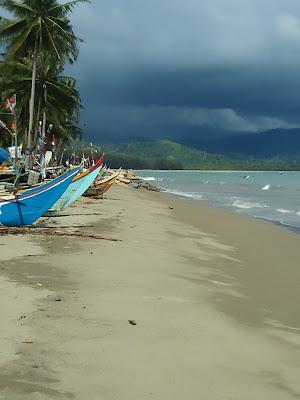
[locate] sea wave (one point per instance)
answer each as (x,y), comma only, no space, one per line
(284,211)
(190,195)
(273,187)
(267,187)
(149,178)
(293,226)
(247,204)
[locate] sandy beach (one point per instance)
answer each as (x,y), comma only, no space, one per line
(214,296)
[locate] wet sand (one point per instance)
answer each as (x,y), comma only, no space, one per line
(214,296)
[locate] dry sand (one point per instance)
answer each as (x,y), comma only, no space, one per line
(214,295)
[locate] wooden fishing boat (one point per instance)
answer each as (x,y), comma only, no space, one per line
(103,179)
(78,186)
(101,186)
(27,207)
(7,175)
(98,192)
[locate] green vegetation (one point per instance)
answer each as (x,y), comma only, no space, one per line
(38,41)
(170,155)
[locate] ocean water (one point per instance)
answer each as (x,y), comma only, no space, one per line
(274,196)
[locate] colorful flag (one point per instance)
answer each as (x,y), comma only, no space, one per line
(11,104)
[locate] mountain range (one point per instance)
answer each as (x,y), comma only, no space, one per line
(166,154)
(276,143)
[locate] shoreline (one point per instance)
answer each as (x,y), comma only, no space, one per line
(279,224)
(199,281)
(182,195)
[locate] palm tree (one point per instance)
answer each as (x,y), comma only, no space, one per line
(57,95)
(58,99)
(39,25)
(5,137)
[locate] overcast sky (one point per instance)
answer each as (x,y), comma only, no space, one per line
(165,68)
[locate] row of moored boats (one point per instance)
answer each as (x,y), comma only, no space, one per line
(24,206)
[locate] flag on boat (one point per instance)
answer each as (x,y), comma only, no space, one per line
(11,104)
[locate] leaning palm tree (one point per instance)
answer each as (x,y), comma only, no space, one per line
(38,25)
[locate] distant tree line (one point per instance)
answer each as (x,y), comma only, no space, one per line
(167,155)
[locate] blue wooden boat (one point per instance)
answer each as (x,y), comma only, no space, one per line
(78,186)
(28,206)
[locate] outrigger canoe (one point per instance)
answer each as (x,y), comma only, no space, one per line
(78,186)
(28,206)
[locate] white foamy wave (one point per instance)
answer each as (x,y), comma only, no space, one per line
(267,187)
(298,213)
(284,211)
(149,178)
(247,204)
(273,187)
(190,195)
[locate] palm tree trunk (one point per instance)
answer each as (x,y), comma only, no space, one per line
(31,103)
(44,115)
(44,126)
(36,134)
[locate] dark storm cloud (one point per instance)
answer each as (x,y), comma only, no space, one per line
(166,67)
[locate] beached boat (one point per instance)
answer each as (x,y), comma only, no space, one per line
(78,186)
(101,186)
(97,192)
(27,207)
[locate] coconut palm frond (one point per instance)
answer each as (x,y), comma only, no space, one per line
(67,7)
(39,40)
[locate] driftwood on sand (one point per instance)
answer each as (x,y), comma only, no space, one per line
(52,232)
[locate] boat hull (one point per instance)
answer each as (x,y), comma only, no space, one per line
(101,186)
(30,205)
(78,186)
(98,192)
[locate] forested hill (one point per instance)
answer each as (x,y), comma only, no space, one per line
(170,155)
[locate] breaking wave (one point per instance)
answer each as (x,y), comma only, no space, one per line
(190,195)
(273,187)
(247,204)
(284,211)
(267,187)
